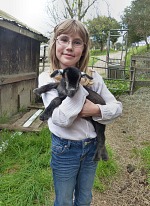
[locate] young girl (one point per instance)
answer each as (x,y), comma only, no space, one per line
(73,137)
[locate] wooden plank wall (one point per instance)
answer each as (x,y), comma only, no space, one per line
(141,65)
(18,53)
(19,69)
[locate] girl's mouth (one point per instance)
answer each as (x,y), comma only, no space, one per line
(70,55)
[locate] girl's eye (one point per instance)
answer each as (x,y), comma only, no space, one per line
(78,42)
(64,39)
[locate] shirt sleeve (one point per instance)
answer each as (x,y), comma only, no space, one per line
(66,113)
(113,108)
(44,78)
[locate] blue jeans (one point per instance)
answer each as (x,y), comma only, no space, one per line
(73,171)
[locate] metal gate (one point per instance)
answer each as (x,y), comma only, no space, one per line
(114,68)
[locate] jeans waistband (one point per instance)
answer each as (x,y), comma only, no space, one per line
(88,140)
(84,141)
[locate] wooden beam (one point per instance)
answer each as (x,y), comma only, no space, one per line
(140,58)
(36,106)
(24,118)
(142,83)
(9,79)
(13,26)
(142,69)
(18,128)
(32,118)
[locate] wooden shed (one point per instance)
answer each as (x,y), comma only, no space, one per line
(19,64)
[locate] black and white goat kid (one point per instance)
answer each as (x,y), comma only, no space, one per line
(68,86)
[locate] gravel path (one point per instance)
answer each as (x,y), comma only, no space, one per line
(126,136)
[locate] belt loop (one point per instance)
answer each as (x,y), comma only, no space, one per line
(69,143)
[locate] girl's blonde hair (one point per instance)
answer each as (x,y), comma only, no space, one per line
(70,26)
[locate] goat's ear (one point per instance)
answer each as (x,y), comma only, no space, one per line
(86,75)
(57,72)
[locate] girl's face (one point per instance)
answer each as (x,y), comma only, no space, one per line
(69,49)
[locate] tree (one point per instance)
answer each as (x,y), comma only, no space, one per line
(74,9)
(128,24)
(98,29)
(137,19)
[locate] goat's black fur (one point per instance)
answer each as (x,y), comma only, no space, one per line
(68,86)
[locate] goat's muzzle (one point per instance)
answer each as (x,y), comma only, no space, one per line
(71,92)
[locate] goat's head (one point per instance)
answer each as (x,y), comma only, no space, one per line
(71,77)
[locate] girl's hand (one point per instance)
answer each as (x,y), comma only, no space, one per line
(90,109)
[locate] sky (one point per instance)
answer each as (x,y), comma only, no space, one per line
(34,14)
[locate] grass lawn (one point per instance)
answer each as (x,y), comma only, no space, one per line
(26,176)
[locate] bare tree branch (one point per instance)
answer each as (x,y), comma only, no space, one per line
(75,9)
(108,5)
(69,9)
(87,8)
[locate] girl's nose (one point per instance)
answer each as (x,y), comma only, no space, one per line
(70,45)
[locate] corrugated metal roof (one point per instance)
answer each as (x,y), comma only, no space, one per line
(6,19)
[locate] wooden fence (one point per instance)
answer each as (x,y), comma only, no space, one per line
(140,75)
(115,73)
(135,75)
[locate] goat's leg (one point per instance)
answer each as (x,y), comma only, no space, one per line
(101,151)
(104,154)
(49,110)
(45,88)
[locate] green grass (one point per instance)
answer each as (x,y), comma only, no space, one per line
(105,172)
(117,87)
(145,155)
(142,50)
(92,61)
(4,119)
(26,176)
(98,52)
(95,55)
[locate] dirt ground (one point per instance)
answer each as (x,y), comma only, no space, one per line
(126,136)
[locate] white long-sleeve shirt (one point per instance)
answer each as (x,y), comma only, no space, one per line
(65,122)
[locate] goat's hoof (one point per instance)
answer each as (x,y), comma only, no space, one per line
(43,118)
(96,158)
(36,91)
(105,157)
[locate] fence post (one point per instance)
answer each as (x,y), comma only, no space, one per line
(132,76)
(44,57)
